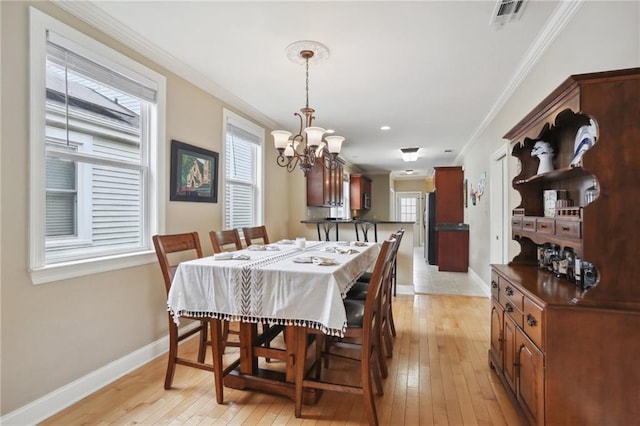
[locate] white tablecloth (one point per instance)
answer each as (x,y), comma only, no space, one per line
(270,287)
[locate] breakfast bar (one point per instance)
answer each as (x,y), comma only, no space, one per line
(377,230)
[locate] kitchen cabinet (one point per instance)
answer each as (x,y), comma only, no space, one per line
(452,237)
(449,182)
(324,186)
(360,192)
(563,351)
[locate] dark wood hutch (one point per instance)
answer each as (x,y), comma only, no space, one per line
(568,355)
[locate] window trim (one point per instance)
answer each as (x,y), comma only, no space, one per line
(154,198)
(251,127)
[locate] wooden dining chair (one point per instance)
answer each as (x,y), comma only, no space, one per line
(181,246)
(363,322)
(255,233)
(225,240)
(359,292)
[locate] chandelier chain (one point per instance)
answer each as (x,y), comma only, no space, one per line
(307,81)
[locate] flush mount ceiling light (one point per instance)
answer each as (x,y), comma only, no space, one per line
(307,145)
(409,154)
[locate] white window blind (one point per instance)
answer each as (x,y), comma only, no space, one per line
(243,177)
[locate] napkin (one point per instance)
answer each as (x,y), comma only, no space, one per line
(256,247)
(339,250)
(303,259)
(324,261)
(272,248)
(230,255)
(342,250)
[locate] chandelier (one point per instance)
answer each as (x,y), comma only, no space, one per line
(306,147)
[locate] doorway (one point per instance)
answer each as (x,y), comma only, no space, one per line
(499,206)
(409,209)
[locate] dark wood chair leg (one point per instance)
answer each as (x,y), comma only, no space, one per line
(216,349)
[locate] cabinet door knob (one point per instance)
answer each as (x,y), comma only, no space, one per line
(531,320)
(494,284)
(508,307)
(508,291)
(565,228)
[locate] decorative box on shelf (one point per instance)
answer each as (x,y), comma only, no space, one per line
(569,212)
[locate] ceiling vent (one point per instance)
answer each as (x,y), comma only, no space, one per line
(507,10)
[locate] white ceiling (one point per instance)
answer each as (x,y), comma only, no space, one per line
(431,70)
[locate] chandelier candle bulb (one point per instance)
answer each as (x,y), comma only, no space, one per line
(281,139)
(288,152)
(314,136)
(334,143)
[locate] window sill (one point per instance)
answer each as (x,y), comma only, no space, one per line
(81,268)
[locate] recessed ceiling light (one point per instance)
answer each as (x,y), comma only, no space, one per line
(448,150)
(409,171)
(385,127)
(329,131)
(409,154)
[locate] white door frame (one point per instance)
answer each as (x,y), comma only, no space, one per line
(417,227)
(499,199)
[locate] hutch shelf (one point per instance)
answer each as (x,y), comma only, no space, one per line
(567,355)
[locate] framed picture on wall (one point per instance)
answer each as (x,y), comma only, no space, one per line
(194,173)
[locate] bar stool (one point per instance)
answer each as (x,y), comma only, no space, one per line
(364,227)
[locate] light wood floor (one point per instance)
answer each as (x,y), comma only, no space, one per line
(438,375)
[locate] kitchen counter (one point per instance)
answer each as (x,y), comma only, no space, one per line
(338,220)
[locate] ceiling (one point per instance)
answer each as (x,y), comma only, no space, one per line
(432,71)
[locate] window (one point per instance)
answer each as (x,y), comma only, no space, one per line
(243,199)
(343,211)
(96,158)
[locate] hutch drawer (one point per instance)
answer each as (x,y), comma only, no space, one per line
(544,225)
(516,223)
(533,322)
(569,228)
(508,293)
(528,223)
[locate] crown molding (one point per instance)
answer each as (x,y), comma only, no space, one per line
(561,16)
(96,17)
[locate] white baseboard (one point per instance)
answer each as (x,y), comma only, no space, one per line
(405,289)
(483,285)
(52,403)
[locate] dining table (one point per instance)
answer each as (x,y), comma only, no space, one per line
(283,285)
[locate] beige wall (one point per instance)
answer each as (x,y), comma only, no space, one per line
(58,332)
(380,184)
(410,185)
(601,36)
